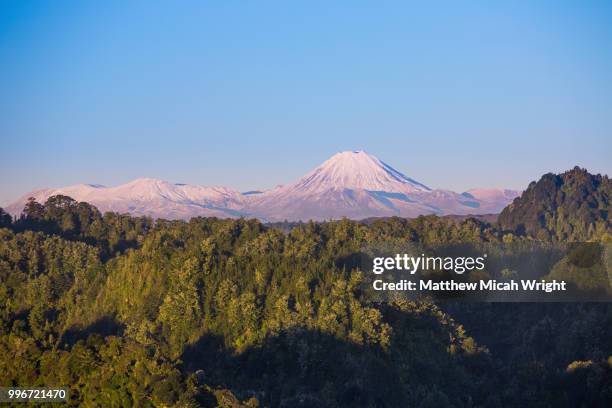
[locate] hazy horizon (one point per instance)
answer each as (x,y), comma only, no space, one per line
(249,96)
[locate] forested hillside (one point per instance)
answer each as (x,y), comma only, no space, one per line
(572,206)
(130,311)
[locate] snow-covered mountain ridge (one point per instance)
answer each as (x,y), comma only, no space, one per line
(151,197)
(351,184)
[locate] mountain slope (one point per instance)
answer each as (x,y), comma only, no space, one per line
(355,170)
(570,206)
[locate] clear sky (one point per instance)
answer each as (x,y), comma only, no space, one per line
(254,94)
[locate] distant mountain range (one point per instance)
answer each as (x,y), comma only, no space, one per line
(351,184)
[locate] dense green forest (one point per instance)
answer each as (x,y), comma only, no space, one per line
(571,206)
(130,311)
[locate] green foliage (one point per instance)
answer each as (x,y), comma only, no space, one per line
(63,216)
(130,312)
(5,219)
(573,206)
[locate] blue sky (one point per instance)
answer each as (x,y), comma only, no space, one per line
(254,94)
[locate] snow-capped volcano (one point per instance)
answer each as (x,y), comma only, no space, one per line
(356,184)
(356,170)
(351,184)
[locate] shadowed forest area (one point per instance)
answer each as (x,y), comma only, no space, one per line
(129,311)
